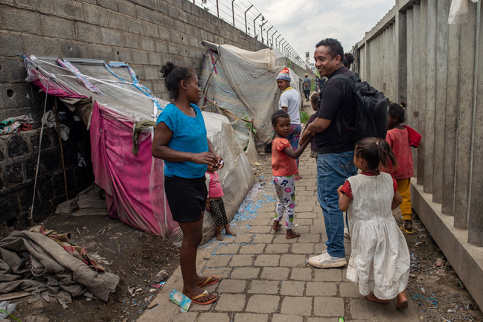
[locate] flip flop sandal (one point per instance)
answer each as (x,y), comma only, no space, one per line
(407,231)
(210,280)
(203,295)
(297,179)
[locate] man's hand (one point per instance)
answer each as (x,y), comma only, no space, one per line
(306,136)
(204,158)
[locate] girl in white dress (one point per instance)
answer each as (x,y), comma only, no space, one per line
(380,257)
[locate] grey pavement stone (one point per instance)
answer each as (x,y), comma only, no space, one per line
(277,249)
(287,318)
(319,248)
(186,316)
(263,287)
(327,274)
(303,248)
(260,229)
(221,272)
(321,289)
(303,222)
(305,208)
(218,261)
(227,249)
(292,288)
(302,230)
(232,286)
(245,273)
(309,238)
(231,302)
(291,260)
(227,239)
(263,304)
(260,221)
(319,319)
(262,238)
(243,238)
(365,310)
(329,306)
(210,317)
(297,305)
(280,239)
(349,290)
(301,274)
(275,273)
(305,215)
(252,249)
(250,317)
(267,260)
(241,260)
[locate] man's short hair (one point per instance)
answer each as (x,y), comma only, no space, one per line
(335,47)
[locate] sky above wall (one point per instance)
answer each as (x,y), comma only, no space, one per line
(303,23)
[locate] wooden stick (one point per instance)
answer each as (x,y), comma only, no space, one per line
(56,112)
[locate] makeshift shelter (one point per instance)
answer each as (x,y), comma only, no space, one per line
(241,84)
(109,99)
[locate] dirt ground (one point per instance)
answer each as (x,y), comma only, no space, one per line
(136,257)
(433,285)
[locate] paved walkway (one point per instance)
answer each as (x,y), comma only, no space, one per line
(265,277)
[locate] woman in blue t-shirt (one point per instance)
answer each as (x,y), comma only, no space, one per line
(180,140)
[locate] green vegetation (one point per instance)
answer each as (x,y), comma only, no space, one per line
(304,117)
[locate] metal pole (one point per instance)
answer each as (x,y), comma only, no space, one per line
(246,27)
(233,11)
(276,39)
(267,35)
(217,9)
(261,32)
(272,37)
(254,27)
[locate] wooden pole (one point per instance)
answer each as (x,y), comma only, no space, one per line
(56,112)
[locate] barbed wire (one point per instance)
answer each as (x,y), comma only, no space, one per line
(247,18)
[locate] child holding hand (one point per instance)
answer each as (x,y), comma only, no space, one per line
(380,257)
(214,203)
(284,167)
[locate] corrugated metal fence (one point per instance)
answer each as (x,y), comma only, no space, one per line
(414,55)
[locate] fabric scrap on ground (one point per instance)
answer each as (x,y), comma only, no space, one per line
(35,263)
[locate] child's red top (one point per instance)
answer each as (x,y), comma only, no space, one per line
(282,164)
(399,142)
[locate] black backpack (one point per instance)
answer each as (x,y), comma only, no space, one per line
(371,110)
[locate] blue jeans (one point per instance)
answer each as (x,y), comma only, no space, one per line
(332,171)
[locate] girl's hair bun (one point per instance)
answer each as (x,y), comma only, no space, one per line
(167,69)
(349,57)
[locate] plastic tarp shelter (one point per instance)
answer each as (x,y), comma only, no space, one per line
(244,83)
(109,99)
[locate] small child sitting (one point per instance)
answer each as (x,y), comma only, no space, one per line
(214,203)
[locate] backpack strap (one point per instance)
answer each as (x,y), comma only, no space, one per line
(351,80)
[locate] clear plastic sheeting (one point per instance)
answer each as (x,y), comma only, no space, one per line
(134,183)
(244,84)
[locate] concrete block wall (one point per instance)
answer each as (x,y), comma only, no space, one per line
(436,68)
(144,33)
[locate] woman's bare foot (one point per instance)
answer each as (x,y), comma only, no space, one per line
(229,231)
(218,233)
(276,225)
(402,301)
(291,234)
(371,297)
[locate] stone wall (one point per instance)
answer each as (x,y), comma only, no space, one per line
(144,33)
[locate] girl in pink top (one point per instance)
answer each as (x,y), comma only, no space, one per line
(284,167)
(398,138)
(215,204)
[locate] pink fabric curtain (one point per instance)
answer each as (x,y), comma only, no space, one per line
(133,183)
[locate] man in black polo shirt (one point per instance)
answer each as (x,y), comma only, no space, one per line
(336,149)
